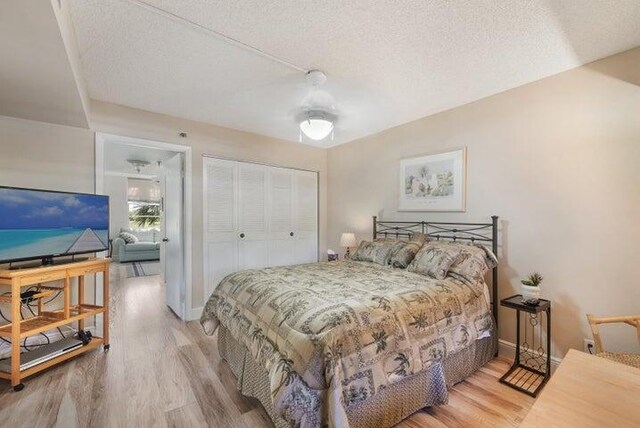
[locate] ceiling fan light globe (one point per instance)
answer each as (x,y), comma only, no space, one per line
(316,128)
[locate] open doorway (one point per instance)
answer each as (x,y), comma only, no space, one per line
(150,202)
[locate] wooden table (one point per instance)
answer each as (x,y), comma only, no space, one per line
(588,391)
(44,320)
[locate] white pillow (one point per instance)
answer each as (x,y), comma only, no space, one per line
(129,238)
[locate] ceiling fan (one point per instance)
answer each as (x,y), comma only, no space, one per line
(316,119)
(317,116)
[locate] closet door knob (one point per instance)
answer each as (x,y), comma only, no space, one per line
(290,233)
(242,235)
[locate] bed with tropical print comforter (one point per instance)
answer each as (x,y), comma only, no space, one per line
(333,334)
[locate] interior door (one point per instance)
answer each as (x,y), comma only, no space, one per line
(253,244)
(220,178)
(163,227)
(281,228)
(305,202)
(173,241)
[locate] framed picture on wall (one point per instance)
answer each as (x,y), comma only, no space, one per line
(435,182)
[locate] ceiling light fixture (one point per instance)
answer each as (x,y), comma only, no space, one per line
(317,125)
(138,164)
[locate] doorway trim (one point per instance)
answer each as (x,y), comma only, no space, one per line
(101,139)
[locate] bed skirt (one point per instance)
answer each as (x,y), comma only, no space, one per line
(385,408)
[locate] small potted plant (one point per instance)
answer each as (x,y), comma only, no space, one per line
(531,289)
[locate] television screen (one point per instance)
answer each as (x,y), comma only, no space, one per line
(41,224)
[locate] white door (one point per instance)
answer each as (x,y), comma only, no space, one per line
(173,240)
(305,203)
(281,227)
(220,220)
(256,216)
(253,246)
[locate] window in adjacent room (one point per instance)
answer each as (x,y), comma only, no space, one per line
(144,198)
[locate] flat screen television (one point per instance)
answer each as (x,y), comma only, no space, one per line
(42,224)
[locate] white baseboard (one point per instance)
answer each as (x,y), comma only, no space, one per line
(194,314)
(508,350)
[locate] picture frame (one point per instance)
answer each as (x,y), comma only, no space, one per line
(434,182)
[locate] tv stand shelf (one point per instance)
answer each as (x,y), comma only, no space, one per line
(75,312)
(46,320)
(49,320)
(40,295)
(95,343)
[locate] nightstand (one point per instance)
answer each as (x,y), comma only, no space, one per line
(532,365)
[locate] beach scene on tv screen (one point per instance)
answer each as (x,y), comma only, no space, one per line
(37,223)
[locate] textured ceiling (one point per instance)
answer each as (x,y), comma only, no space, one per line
(388,62)
(117,154)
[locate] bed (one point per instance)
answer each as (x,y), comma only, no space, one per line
(353,343)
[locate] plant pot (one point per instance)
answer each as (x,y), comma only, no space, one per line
(530,295)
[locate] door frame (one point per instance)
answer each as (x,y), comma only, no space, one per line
(101,139)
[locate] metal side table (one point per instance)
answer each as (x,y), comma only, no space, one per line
(531,368)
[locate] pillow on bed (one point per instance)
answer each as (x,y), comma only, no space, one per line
(434,259)
(474,262)
(406,253)
(377,251)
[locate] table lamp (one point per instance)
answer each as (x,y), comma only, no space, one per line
(348,240)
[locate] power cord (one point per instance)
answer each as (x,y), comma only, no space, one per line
(30,304)
(27,300)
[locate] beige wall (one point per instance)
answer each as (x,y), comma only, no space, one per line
(116,187)
(37,81)
(42,155)
(215,141)
(557,160)
(45,156)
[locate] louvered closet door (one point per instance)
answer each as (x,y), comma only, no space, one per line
(253,245)
(220,220)
(257,216)
(281,212)
(305,203)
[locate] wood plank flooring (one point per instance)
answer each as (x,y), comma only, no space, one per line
(161,372)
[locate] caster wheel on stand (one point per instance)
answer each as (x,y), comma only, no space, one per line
(106,348)
(18,387)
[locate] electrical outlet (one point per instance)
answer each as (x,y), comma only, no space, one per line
(589,346)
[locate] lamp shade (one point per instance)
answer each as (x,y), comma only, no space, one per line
(316,128)
(348,240)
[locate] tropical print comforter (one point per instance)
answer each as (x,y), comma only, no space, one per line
(333,334)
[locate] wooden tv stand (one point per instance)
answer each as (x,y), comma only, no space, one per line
(45,320)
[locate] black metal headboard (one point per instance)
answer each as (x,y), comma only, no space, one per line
(482,233)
